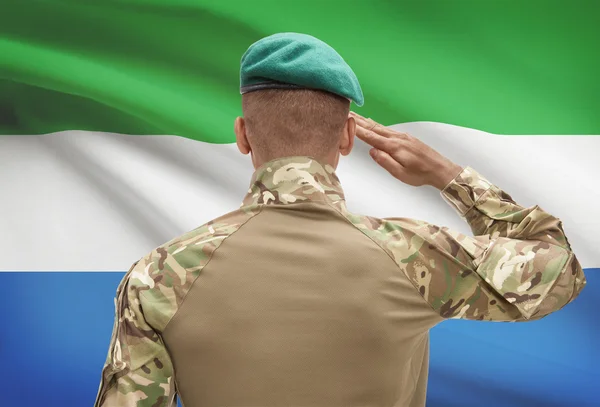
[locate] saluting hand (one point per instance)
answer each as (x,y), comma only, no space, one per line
(404,156)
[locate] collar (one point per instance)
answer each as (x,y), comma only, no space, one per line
(293,179)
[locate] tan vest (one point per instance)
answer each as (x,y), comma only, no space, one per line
(294,301)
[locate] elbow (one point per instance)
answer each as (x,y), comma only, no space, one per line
(568,284)
(574,277)
(536,278)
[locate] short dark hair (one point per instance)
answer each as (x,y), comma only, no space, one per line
(288,122)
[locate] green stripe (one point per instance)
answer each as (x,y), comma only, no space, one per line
(171,66)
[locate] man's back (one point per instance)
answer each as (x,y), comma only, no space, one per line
(294,301)
(298,307)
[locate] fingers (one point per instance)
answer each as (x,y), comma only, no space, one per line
(372,125)
(388,163)
(363,122)
(376,140)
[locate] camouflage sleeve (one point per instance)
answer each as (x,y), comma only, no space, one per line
(138,370)
(518,266)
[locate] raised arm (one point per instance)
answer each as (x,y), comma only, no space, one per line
(518,266)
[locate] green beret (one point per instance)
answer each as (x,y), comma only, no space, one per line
(295,61)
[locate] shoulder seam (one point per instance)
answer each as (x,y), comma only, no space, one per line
(260,208)
(391,258)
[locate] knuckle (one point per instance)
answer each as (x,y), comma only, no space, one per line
(410,160)
(395,146)
(400,136)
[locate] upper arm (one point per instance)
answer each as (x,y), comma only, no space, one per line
(480,278)
(518,266)
(138,370)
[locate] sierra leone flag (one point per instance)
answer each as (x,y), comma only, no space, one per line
(116,123)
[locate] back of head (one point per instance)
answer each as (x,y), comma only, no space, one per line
(296,93)
(289,122)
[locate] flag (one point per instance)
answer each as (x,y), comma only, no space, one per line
(116,123)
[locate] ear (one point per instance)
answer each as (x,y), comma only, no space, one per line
(241,139)
(347,140)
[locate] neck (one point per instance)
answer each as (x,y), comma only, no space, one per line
(330,159)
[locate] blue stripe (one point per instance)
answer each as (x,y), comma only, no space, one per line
(56,328)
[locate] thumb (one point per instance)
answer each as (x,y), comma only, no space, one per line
(388,163)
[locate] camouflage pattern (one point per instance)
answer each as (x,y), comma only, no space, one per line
(138,370)
(518,266)
(293,179)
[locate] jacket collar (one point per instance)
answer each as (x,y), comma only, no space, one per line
(293,179)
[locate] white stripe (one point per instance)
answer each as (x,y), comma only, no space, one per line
(84,201)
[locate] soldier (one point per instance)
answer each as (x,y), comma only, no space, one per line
(292,300)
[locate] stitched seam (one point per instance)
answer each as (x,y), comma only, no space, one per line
(474,205)
(562,269)
(391,258)
(484,256)
(160,334)
(203,267)
(441,251)
(325,201)
(120,291)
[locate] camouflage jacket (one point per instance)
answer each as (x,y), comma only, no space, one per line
(518,266)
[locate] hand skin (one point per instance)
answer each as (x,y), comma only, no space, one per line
(404,156)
